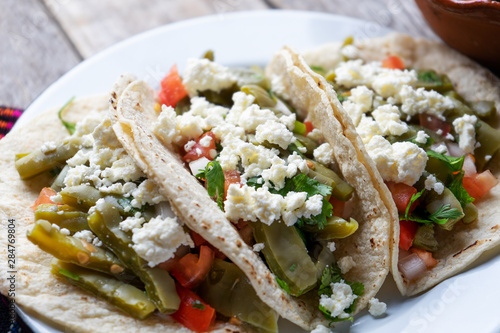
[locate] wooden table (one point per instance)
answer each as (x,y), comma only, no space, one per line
(42,39)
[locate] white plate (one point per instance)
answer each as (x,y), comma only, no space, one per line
(461,304)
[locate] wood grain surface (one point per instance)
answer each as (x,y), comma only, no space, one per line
(42,39)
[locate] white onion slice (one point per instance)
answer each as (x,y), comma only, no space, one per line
(454,150)
(197,165)
(469,166)
(412,267)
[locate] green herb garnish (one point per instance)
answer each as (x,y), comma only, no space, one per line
(126,203)
(71,127)
(293,267)
(440,216)
(283,285)
(430,76)
(333,274)
(198,305)
(214,176)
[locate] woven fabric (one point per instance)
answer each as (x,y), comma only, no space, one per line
(8,117)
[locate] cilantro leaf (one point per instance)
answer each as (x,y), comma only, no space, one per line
(321,219)
(453,163)
(294,147)
(214,176)
(256,182)
(198,305)
(283,285)
(431,77)
(456,187)
(333,274)
(413,198)
(440,216)
(128,209)
(71,127)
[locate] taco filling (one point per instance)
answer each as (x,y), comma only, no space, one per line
(269,172)
(429,144)
(114,235)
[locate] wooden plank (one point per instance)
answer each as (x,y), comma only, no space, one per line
(400,15)
(96,24)
(35,51)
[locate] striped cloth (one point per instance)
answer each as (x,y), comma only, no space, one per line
(8,116)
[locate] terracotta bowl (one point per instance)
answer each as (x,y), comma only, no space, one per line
(469,26)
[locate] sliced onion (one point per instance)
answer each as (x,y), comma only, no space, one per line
(469,166)
(454,150)
(197,165)
(164,210)
(412,267)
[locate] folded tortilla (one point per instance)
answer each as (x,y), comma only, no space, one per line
(37,291)
(465,243)
(368,246)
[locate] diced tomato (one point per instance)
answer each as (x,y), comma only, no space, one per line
(338,207)
(199,151)
(44,197)
(191,270)
(199,240)
(393,62)
(193,312)
(434,123)
(479,184)
(309,127)
(401,194)
(407,231)
(426,256)
(230,177)
(172,89)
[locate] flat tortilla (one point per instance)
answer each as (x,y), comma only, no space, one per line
(369,246)
(39,293)
(465,243)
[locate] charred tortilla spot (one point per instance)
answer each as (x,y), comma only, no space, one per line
(495,227)
(372,242)
(468,247)
(204,226)
(113,94)
(222,239)
(238,244)
(197,205)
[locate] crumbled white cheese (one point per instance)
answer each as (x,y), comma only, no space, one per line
(321,329)
(376,308)
(342,297)
(417,101)
(206,141)
(331,246)
(486,158)
(350,51)
(146,193)
(421,137)
(65,231)
(464,127)
(441,149)
(88,124)
(252,204)
(296,206)
(274,132)
(247,115)
(203,74)
(346,264)
(355,111)
(324,154)
(431,183)
(353,73)
(86,235)
(367,129)
(257,247)
(387,118)
(189,145)
(158,239)
(402,162)
(132,222)
(316,135)
(363,97)
(389,82)
(276,174)
(48,147)
(165,126)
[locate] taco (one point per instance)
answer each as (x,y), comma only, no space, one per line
(427,117)
(88,219)
(255,166)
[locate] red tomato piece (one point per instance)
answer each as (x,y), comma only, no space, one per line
(230,177)
(172,89)
(426,256)
(338,207)
(393,62)
(193,312)
(199,240)
(309,127)
(199,151)
(434,123)
(44,197)
(401,194)
(407,231)
(190,270)
(479,184)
